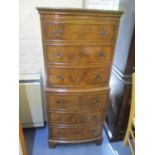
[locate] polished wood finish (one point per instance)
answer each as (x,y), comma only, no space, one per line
(120,94)
(76,100)
(79,54)
(22,139)
(78,76)
(76,31)
(76,117)
(75,133)
(78,48)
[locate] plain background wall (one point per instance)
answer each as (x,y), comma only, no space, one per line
(30,50)
(125,31)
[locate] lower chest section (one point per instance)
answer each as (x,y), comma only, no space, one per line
(76,116)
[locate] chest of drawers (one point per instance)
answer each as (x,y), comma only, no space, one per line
(78,48)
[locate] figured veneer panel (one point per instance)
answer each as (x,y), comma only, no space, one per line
(76,31)
(75,133)
(79,54)
(60,101)
(76,117)
(78,76)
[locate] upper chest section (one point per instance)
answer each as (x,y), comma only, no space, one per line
(79,25)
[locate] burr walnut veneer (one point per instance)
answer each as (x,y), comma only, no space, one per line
(78,47)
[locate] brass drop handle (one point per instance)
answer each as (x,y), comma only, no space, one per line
(58,32)
(94,118)
(96,100)
(93,131)
(58,101)
(104,33)
(59,133)
(58,118)
(98,77)
(100,54)
(60,77)
(78,132)
(59,54)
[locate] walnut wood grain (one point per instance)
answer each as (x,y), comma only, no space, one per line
(76,117)
(52,142)
(78,76)
(79,54)
(76,31)
(75,133)
(78,49)
(76,100)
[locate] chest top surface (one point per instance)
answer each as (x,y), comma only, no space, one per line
(73,11)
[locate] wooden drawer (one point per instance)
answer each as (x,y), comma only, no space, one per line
(76,117)
(78,76)
(71,101)
(75,133)
(79,54)
(76,31)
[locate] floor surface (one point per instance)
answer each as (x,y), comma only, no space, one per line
(36,142)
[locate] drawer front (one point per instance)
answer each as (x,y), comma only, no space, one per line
(78,76)
(75,133)
(76,31)
(79,54)
(62,101)
(76,117)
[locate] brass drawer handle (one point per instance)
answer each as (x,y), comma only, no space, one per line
(58,101)
(58,119)
(59,54)
(94,118)
(77,132)
(58,32)
(100,54)
(104,33)
(96,100)
(60,77)
(93,131)
(98,77)
(59,133)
